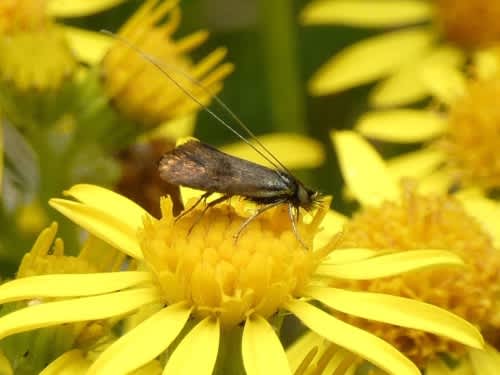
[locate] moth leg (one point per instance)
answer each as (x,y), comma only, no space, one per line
(204,197)
(293,213)
(251,218)
(207,207)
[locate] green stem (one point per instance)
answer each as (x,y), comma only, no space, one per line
(229,360)
(277,26)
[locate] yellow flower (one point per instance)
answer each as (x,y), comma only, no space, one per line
(404,219)
(461,141)
(28,33)
(428,34)
(139,89)
(47,257)
(192,268)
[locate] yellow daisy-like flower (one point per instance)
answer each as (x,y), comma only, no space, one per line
(47,257)
(461,142)
(406,220)
(29,25)
(139,89)
(194,269)
(420,36)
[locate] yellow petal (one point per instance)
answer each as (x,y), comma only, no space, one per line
(341,361)
(151,368)
(70,285)
(486,62)
(332,223)
(364,171)
(354,339)
(262,351)
(370,59)
(487,212)
(438,182)
(399,311)
(402,125)
(102,224)
(401,88)
(446,83)
(188,194)
(203,340)
(78,8)
(143,343)
(485,362)
(293,150)
(406,86)
(88,46)
(342,256)
(70,363)
(389,264)
(116,204)
(312,354)
(179,127)
(5,367)
(367,13)
(416,164)
(303,350)
(75,310)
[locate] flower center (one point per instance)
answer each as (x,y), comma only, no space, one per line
(218,276)
(436,222)
(470,23)
(473,139)
(55,62)
(22,15)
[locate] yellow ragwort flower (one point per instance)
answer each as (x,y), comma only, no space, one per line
(139,89)
(419,36)
(86,338)
(404,219)
(29,32)
(461,140)
(209,289)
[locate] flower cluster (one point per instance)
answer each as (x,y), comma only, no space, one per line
(130,273)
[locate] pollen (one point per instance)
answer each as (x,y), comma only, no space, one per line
(139,89)
(473,138)
(470,23)
(436,222)
(196,259)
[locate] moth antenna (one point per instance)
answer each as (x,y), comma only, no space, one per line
(161,67)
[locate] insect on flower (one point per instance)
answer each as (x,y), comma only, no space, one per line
(200,166)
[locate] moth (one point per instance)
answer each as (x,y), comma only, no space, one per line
(200,166)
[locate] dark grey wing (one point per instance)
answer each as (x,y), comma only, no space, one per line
(200,166)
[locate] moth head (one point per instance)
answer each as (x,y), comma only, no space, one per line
(306,198)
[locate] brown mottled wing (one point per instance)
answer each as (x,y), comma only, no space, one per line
(200,166)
